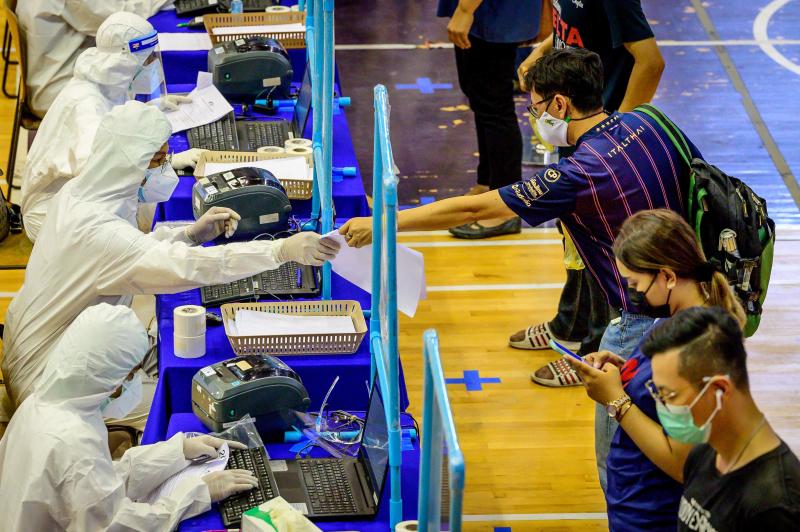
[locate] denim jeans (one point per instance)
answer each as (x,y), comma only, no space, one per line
(622,336)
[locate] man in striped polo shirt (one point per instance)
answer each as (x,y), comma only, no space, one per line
(623,163)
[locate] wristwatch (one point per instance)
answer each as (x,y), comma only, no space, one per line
(617,408)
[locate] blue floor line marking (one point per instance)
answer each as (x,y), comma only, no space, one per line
(502,529)
(424,86)
(473,380)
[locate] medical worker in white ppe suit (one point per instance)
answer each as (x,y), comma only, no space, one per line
(90,250)
(57,31)
(105,75)
(56,472)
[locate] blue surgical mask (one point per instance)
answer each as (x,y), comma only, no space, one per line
(679,422)
(128,400)
(159,184)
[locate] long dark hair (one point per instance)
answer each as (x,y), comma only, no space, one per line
(650,241)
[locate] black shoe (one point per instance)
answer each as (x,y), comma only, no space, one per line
(476,231)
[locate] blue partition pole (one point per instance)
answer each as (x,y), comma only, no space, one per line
(326,184)
(377,237)
(313,59)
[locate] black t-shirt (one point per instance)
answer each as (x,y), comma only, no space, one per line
(602,26)
(762,495)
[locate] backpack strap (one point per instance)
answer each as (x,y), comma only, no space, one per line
(682,147)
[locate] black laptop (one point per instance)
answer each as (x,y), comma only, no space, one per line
(341,488)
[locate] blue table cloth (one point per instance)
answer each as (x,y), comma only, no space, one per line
(317,372)
(211,520)
(349,198)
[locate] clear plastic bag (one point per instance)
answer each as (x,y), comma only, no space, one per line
(243,431)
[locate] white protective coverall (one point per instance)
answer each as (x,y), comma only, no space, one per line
(90,250)
(64,139)
(56,472)
(57,31)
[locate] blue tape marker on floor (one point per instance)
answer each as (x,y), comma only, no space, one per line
(473,380)
(502,529)
(424,200)
(423,85)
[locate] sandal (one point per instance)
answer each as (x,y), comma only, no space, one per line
(561,375)
(538,337)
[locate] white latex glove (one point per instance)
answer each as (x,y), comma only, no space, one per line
(307,248)
(206,446)
(170,102)
(212,224)
(186,159)
(223,484)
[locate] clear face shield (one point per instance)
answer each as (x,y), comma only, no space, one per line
(148,84)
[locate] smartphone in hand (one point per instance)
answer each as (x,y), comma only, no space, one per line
(558,348)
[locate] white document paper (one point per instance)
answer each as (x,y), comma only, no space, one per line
(266,28)
(183,42)
(355,265)
(282,167)
(192,471)
(254,323)
(204,79)
(208,105)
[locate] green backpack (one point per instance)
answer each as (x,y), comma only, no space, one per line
(731,223)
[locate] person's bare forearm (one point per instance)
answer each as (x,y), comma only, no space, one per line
(645,76)
(470,6)
(648,435)
(452,212)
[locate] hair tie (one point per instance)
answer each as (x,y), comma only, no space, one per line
(705,272)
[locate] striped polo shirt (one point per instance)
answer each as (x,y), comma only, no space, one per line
(625,164)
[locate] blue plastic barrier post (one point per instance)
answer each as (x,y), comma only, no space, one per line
(326,184)
(383,319)
(311,43)
(438,427)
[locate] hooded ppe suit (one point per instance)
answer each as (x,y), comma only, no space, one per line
(64,139)
(90,250)
(56,472)
(56,33)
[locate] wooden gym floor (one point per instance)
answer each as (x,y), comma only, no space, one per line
(529,449)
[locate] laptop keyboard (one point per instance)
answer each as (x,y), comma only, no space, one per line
(327,485)
(217,294)
(254,460)
(216,136)
(185,8)
(260,134)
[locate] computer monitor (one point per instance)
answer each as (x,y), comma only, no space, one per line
(303,104)
(375,441)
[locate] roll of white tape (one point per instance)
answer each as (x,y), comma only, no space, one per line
(190,347)
(299,150)
(190,320)
(297,143)
(407,526)
(271,149)
(277,9)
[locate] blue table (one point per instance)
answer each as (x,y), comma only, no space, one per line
(211,520)
(173,393)
(349,198)
(182,67)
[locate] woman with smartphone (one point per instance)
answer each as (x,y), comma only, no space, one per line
(666,271)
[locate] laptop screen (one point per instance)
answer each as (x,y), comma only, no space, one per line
(303,104)
(375,441)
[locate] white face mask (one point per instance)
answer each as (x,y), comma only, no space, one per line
(159,184)
(552,130)
(128,400)
(148,79)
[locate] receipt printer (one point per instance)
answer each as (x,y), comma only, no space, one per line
(251,68)
(254,193)
(259,385)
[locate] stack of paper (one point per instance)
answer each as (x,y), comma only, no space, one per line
(183,42)
(208,105)
(355,265)
(266,28)
(282,167)
(254,323)
(192,471)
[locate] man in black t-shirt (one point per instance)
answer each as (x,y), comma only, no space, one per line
(741,476)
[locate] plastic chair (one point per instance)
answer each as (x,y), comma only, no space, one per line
(7,45)
(23,118)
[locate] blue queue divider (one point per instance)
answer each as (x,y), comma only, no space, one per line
(439,428)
